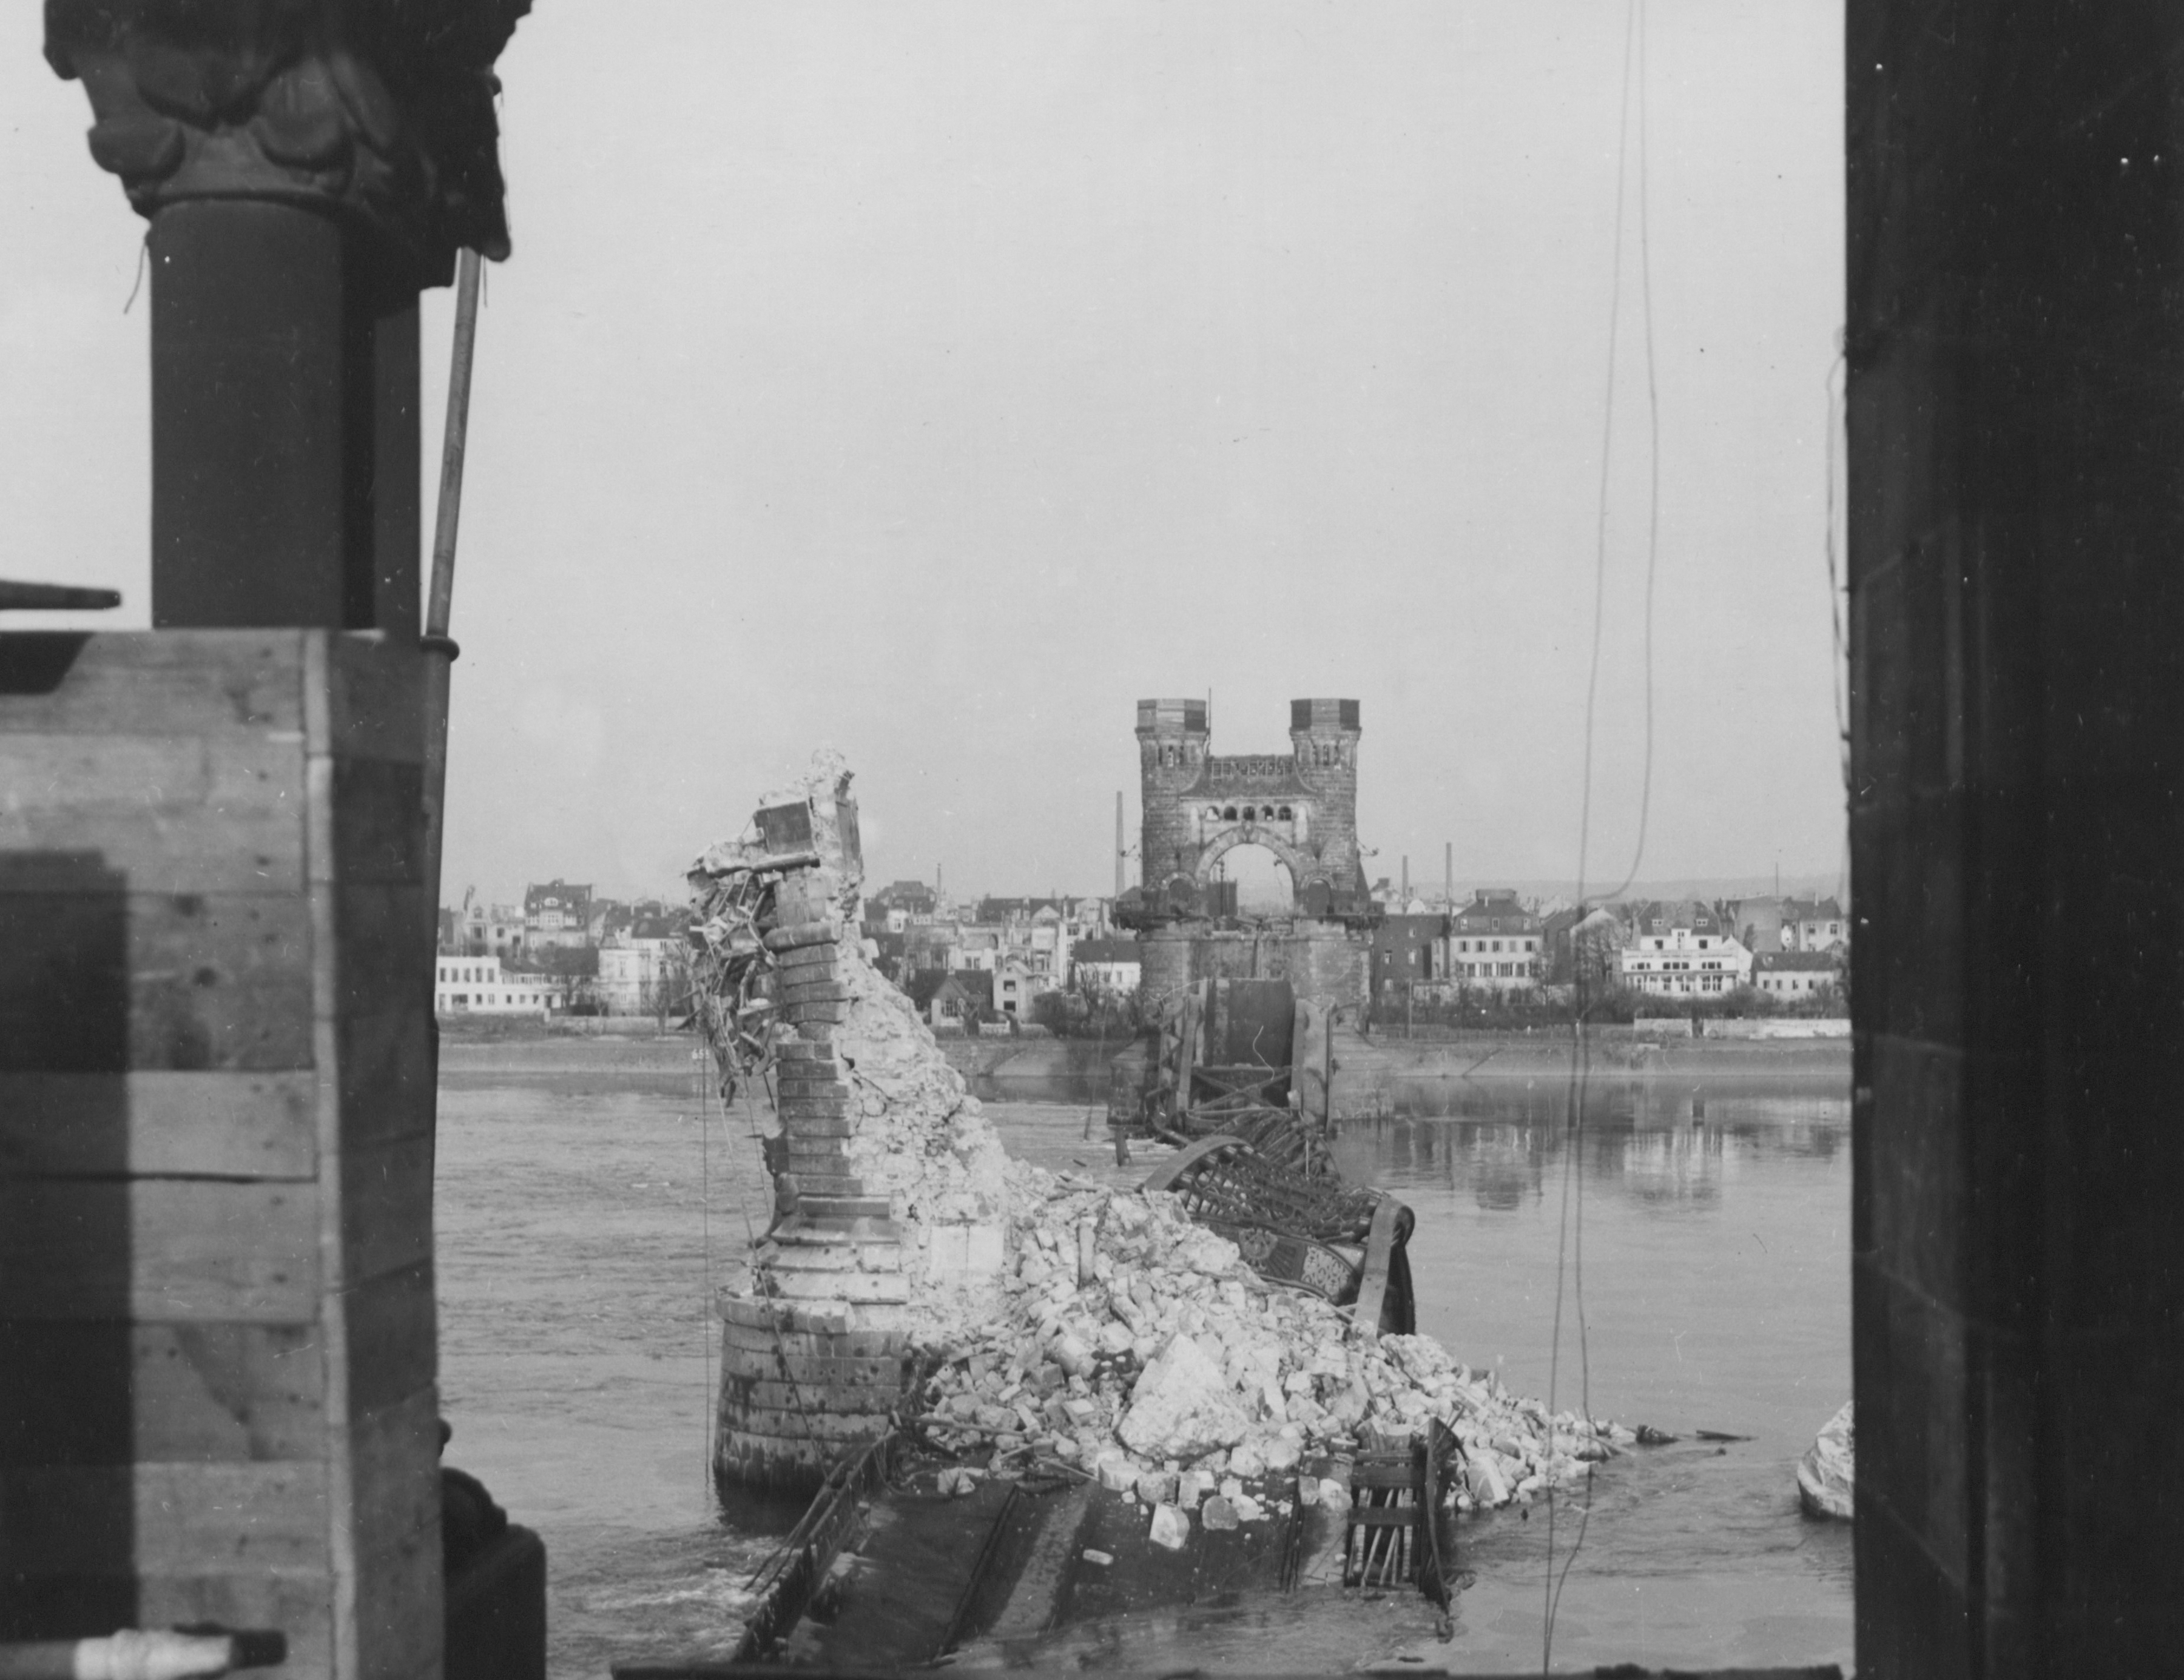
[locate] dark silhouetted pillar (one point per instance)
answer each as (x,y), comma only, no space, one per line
(284,424)
(2016,353)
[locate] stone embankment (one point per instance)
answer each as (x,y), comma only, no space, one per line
(1373,1071)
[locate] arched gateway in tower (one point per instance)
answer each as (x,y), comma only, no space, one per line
(1301,806)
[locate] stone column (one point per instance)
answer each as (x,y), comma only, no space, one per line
(2016,375)
(305,170)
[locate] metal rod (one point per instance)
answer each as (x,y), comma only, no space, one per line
(452,445)
(57,597)
(439,650)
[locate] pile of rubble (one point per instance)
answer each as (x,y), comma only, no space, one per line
(1139,1348)
(1067,1325)
(921,1140)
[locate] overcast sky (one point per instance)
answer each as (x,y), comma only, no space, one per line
(935,380)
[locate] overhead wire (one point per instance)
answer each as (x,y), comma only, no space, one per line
(1838,675)
(708,1409)
(1569,1248)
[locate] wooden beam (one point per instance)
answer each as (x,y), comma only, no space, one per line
(102,1392)
(231,1124)
(67,1520)
(159,1249)
(169,813)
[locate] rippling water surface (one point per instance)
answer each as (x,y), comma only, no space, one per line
(585,1192)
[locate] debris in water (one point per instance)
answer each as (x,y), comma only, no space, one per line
(1827,1474)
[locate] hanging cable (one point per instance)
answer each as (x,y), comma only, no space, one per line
(1606,444)
(1569,1247)
(1652,455)
(1839,673)
(705,1289)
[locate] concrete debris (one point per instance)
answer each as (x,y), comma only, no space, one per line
(1179,1354)
(1171,1527)
(1182,1404)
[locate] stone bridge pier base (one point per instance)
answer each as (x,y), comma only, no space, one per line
(1323,960)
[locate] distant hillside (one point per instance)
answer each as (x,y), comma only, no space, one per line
(1707,887)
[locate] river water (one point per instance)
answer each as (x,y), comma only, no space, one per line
(585,1199)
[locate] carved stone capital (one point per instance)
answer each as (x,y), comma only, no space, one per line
(380,111)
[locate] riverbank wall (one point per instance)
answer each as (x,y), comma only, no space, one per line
(1363,1065)
(1367,1071)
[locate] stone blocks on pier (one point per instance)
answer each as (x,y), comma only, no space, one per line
(893,1178)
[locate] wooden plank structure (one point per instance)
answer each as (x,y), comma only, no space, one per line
(1400,1527)
(217,1340)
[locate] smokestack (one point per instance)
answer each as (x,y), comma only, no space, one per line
(1118,842)
(1406,881)
(1448,872)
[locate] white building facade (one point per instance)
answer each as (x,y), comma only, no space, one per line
(1681,962)
(469,986)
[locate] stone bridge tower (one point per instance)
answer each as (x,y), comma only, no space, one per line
(1300,805)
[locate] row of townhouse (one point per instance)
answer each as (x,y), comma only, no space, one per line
(1789,948)
(1098,968)
(1493,942)
(994,957)
(564,948)
(556,913)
